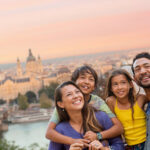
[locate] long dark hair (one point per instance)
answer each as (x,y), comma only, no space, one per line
(88,112)
(131,95)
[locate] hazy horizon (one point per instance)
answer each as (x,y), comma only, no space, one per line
(59,28)
(66,58)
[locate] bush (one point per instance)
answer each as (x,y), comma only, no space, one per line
(5,145)
(22,102)
(45,102)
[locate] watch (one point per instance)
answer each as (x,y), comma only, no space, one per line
(99,136)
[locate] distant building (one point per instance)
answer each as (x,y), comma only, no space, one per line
(33,66)
(33,78)
(30,80)
(63,74)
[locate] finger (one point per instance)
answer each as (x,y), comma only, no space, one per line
(77,145)
(86,141)
(85,135)
(75,148)
(86,145)
(95,145)
(90,147)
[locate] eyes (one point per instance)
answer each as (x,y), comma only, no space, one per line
(83,77)
(68,94)
(137,69)
(122,83)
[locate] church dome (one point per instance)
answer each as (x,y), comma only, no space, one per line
(30,57)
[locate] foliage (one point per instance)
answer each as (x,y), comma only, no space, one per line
(45,102)
(13,101)
(31,96)
(22,102)
(5,145)
(49,90)
(2,101)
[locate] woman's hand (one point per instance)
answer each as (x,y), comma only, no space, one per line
(76,146)
(85,142)
(89,135)
(96,145)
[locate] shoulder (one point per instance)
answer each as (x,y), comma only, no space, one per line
(101,114)
(61,126)
(111,100)
(141,97)
(96,100)
(96,97)
(104,119)
(141,100)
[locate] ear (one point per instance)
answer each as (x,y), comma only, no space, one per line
(60,104)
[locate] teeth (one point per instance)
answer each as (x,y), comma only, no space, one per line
(146,78)
(120,92)
(85,87)
(76,102)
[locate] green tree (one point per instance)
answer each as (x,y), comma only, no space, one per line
(45,102)
(5,145)
(31,96)
(49,90)
(2,101)
(22,102)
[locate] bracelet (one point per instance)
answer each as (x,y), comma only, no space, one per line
(99,136)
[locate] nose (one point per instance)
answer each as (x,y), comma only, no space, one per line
(75,95)
(119,86)
(86,80)
(142,70)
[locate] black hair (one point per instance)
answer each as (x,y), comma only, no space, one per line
(138,56)
(84,69)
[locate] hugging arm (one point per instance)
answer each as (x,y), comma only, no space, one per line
(116,129)
(115,143)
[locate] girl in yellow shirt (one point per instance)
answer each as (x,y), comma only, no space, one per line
(128,107)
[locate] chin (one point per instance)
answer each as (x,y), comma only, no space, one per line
(145,85)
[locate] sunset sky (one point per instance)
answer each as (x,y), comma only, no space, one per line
(58,28)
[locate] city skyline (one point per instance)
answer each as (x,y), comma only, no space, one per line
(60,28)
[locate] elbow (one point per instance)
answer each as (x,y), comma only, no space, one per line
(122,130)
(47,135)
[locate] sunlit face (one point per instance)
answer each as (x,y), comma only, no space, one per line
(86,83)
(72,98)
(142,72)
(120,86)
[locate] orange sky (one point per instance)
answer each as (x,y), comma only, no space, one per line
(57,28)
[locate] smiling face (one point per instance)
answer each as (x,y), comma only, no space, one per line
(142,72)
(120,86)
(72,98)
(86,82)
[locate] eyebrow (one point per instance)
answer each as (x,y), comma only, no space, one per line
(140,65)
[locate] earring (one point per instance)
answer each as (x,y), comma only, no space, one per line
(63,109)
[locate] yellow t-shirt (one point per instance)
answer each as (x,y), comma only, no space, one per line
(135,129)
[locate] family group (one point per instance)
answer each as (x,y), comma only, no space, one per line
(84,121)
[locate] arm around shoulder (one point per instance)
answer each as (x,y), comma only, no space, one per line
(111,102)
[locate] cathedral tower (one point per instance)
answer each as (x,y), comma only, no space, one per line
(19,69)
